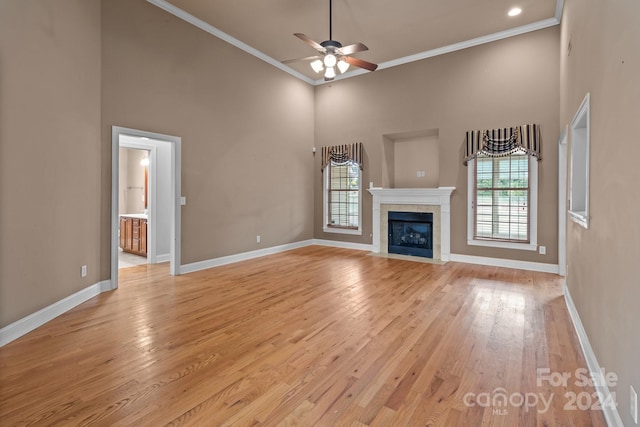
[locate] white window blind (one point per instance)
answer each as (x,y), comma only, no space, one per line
(343,195)
(502,198)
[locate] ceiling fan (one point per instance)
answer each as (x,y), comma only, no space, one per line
(332,54)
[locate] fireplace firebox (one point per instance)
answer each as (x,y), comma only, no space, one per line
(411,233)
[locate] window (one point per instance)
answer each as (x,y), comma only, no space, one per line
(503,201)
(579,193)
(502,198)
(342,198)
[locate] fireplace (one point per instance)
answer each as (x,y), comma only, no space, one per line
(410,233)
(436,201)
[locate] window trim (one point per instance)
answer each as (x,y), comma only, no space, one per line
(325,204)
(580,158)
(533,211)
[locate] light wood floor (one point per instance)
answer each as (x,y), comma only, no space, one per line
(315,336)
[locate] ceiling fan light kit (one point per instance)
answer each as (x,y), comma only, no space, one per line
(332,54)
(330,60)
(317,65)
(329,73)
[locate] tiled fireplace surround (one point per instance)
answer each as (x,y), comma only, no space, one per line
(434,200)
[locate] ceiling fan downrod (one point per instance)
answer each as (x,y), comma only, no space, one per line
(331,53)
(331,45)
(330,21)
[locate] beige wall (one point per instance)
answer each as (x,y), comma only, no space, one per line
(123,177)
(413,156)
(603,260)
(247,132)
(131,191)
(49,152)
(509,82)
(246,129)
(73,68)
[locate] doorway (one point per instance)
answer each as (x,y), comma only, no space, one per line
(138,244)
(161,191)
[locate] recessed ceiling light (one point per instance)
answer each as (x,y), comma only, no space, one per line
(515,11)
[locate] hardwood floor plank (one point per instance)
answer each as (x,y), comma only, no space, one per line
(315,336)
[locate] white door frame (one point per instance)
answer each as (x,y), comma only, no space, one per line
(176,161)
(562,202)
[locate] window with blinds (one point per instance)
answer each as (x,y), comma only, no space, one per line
(502,194)
(343,195)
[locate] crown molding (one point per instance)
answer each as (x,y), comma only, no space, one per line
(471,43)
(535,26)
(559,7)
(168,7)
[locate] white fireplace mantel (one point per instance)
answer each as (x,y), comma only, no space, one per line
(415,196)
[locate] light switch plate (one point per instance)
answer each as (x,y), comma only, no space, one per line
(183,201)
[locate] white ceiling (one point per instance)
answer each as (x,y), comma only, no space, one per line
(395,32)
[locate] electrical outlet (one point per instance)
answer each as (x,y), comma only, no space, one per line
(542,250)
(257,239)
(83,271)
(633,407)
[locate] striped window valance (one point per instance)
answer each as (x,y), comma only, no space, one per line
(503,142)
(341,154)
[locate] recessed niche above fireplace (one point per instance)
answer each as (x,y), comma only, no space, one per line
(411,159)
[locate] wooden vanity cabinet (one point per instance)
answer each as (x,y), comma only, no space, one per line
(133,235)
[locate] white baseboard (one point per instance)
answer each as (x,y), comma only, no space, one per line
(163,258)
(497,262)
(215,262)
(34,320)
(27,324)
(344,245)
(610,413)
(508,263)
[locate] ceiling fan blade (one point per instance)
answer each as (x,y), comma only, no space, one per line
(352,48)
(310,42)
(361,63)
(308,58)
